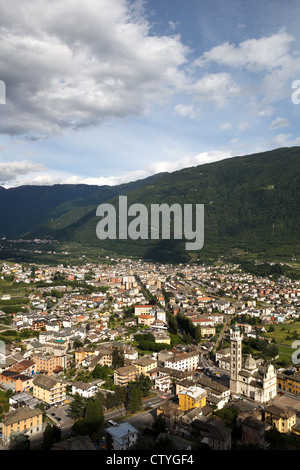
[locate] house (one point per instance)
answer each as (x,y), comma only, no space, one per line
(144,319)
(145,364)
(26,420)
(22,399)
(49,363)
(86,390)
(14,380)
(49,389)
(171,414)
(26,367)
(253,431)
(82,353)
(74,443)
(121,437)
(192,397)
(213,432)
(185,361)
(126,374)
(283,419)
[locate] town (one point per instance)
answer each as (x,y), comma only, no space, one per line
(131,354)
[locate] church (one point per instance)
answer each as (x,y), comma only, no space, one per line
(258,382)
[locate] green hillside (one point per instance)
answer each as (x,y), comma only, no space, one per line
(251,206)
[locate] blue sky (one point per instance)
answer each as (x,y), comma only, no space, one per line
(110,91)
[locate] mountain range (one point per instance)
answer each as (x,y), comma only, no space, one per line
(251,206)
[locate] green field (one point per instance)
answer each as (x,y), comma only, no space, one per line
(286,335)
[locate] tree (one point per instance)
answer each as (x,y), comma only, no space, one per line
(19,441)
(94,415)
(48,438)
(198,335)
(143,382)
(118,358)
(159,425)
(136,400)
(77,407)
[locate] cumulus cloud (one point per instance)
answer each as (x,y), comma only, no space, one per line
(279,122)
(74,64)
(10,171)
(46,178)
(266,53)
(270,56)
(217,88)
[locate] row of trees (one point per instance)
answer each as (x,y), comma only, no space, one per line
(180,323)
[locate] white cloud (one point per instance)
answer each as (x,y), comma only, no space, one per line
(10,171)
(75,64)
(186,110)
(266,53)
(279,122)
(47,178)
(226,126)
(216,88)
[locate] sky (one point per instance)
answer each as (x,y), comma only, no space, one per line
(111,91)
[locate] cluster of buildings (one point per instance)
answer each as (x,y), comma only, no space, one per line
(73,328)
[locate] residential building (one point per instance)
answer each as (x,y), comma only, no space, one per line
(86,390)
(49,389)
(26,420)
(126,374)
(192,397)
(289,383)
(15,381)
(144,319)
(50,364)
(121,437)
(145,364)
(283,419)
(186,361)
(26,367)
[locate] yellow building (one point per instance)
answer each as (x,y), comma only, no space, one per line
(283,419)
(192,397)
(49,389)
(82,353)
(162,338)
(145,364)
(25,420)
(208,331)
(289,383)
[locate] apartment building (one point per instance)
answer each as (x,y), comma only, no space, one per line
(126,374)
(49,389)
(15,381)
(145,364)
(283,419)
(50,364)
(192,397)
(185,361)
(26,420)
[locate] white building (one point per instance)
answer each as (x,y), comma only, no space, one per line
(183,361)
(258,382)
(86,390)
(121,437)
